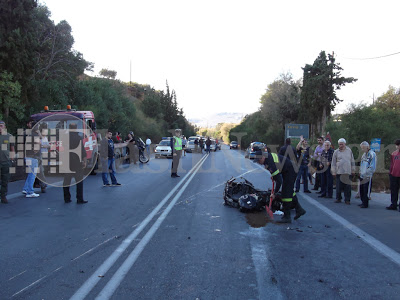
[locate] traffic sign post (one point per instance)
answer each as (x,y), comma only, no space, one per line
(297,130)
(376,144)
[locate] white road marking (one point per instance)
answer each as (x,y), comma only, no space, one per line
(17,275)
(373,242)
(117,278)
(266,287)
(92,281)
(90,250)
(32,284)
(37,281)
(368,239)
(59,268)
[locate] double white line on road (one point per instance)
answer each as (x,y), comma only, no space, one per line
(115,281)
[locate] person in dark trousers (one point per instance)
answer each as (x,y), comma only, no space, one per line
(283,173)
(208,145)
(6,157)
(316,163)
(343,169)
(326,175)
(303,152)
(196,145)
(201,145)
(367,169)
(132,147)
(108,160)
(176,146)
(394,176)
(76,166)
(289,151)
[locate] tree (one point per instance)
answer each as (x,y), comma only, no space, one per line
(281,102)
(110,74)
(18,41)
(321,80)
(10,92)
(389,100)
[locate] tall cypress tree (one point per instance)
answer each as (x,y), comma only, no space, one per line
(321,80)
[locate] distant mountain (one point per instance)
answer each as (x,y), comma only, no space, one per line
(213,120)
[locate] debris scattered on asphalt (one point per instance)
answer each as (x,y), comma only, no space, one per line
(298,230)
(320,280)
(81,271)
(188,237)
(327,226)
(101,276)
(278,213)
(309,226)
(218,230)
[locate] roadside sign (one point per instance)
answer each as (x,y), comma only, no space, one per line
(376,144)
(297,130)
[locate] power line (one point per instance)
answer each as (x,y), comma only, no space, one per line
(371,57)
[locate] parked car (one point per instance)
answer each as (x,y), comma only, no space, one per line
(234,145)
(251,150)
(190,146)
(163,149)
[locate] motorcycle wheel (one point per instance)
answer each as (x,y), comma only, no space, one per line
(143,158)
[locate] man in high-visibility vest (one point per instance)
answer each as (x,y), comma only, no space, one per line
(283,172)
(176,146)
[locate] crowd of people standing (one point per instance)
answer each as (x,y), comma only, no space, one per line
(335,168)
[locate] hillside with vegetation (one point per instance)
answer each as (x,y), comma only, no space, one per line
(39,66)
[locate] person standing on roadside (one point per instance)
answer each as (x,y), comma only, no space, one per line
(208,145)
(6,158)
(176,146)
(108,160)
(317,162)
(303,152)
(196,145)
(44,149)
(367,169)
(201,145)
(184,143)
(343,168)
(325,167)
(32,157)
(394,176)
(77,164)
(132,146)
(289,151)
(148,144)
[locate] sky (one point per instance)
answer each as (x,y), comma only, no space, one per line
(220,56)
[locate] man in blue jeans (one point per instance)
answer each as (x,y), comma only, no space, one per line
(107,160)
(32,156)
(303,153)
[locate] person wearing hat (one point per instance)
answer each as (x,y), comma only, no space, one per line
(283,173)
(6,158)
(176,147)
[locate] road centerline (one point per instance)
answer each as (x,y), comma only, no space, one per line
(92,281)
(117,278)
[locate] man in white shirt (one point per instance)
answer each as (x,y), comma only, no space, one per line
(148,143)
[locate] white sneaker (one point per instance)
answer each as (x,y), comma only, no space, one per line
(33,195)
(24,192)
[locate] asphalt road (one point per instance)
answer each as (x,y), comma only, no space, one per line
(157,237)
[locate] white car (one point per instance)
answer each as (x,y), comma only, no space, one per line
(163,149)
